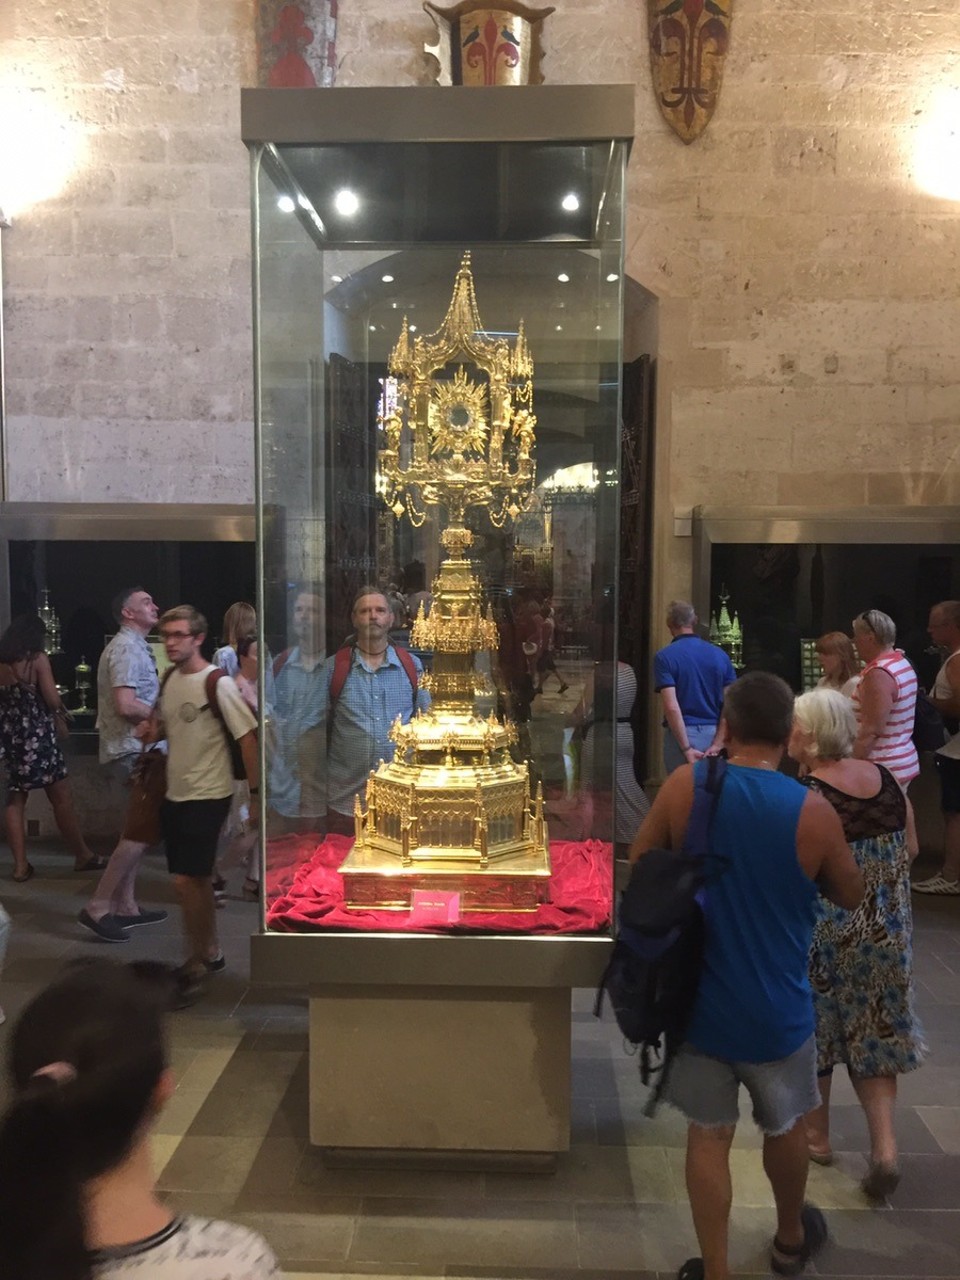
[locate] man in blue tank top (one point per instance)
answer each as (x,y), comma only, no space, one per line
(753,1023)
(690,674)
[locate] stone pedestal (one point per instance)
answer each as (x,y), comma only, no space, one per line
(432,1069)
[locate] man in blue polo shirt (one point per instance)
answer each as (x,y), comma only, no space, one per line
(691,676)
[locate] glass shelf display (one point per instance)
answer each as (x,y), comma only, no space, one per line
(438,357)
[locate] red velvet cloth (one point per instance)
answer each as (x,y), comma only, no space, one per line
(305,893)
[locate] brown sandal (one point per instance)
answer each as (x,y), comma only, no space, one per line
(27,875)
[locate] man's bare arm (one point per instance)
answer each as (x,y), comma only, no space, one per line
(950,706)
(825,855)
(129,705)
(665,824)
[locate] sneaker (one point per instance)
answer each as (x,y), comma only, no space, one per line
(188,985)
(217,964)
(937,884)
(106,928)
(142,917)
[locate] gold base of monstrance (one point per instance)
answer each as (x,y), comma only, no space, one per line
(453,811)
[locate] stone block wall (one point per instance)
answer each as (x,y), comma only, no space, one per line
(809,329)
(127,291)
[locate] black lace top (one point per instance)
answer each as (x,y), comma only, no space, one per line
(862,817)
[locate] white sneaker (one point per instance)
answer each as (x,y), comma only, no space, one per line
(937,884)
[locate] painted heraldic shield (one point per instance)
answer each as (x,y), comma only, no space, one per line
(688,45)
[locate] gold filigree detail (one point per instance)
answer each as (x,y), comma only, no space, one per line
(458,423)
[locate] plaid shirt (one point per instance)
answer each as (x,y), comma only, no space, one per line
(370,701)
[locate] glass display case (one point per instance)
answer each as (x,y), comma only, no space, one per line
(438,348)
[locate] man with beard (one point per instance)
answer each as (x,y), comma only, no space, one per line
(367,684)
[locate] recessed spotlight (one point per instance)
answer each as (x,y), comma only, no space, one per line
(412,328)
(346,202)
(570,202)
(563,278)
(337,279)
(393,305)
(387,279)
(598,328)
(612,278)
(559,328)
(373,328)
(285,204)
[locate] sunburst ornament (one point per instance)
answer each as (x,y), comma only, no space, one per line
(458,421)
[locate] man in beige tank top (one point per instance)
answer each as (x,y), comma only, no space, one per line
(944,628)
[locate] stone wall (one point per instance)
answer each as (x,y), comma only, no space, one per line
(128,290)
(809,329)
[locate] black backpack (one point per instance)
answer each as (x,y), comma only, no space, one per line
(652,979)
(930,730)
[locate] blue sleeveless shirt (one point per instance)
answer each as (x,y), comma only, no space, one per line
(754,1003)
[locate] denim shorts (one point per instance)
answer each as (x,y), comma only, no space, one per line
(949,770)
(707,1089)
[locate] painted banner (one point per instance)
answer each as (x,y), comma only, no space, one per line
(688,45)
(297,44)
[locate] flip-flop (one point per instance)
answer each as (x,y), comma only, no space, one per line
(793,1258)
(27,875)
(96,863)
(692,1269)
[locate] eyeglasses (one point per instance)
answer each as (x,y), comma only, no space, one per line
(175,635)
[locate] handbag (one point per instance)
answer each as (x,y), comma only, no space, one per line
(148,788)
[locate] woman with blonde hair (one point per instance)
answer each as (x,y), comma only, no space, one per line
(841,666)
(239,620)
(860,960)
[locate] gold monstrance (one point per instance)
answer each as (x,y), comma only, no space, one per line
(453,810)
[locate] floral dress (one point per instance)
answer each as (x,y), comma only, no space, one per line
(861,961)
(28,739)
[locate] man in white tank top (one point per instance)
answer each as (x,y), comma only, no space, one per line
(944,628)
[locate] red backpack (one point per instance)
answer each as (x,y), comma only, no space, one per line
(341,669)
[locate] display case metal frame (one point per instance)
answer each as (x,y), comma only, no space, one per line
(798,525)
(118,522)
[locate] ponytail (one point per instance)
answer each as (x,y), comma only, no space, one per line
(41,1188)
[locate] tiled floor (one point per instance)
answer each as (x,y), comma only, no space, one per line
(233,1140)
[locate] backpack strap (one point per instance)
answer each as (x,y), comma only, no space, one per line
(344,660)
(280,661)
(210,692)
(707,784)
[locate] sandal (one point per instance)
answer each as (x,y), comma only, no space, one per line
(27,875)
(789,1260)
(94,863)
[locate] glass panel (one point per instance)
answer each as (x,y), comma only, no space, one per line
(354,244)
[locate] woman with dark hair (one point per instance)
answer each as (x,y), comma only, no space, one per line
(89,1077)
(31,716)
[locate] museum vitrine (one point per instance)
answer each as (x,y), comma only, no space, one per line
(438,355)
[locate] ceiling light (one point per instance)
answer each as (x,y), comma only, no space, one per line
(337,279)
(373,328)
(559,328)
(346,202)
(387,279)
(563,278)
(285,204)
(612,278)
(598,328)
(570,202)
(303,202)
(412,328)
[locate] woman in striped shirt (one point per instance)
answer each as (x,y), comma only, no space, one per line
(885,699)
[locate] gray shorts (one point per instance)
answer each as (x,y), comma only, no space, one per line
(707,1089)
